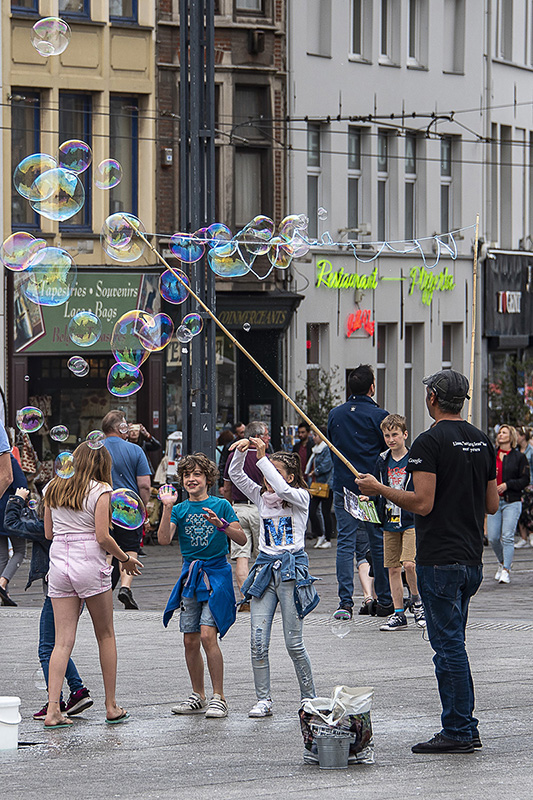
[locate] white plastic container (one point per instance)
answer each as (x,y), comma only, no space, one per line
(9,722)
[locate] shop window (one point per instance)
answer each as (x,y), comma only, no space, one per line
(124,147)
(81,8)
(25,140)
(75,123)
(454,36)
(125,10)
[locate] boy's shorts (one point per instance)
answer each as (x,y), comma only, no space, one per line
(194,614)
(398,547)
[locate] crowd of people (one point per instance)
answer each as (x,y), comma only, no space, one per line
(435,501)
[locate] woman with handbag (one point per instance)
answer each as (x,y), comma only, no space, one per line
(319,468)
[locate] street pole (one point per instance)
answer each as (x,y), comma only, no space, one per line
(197,210)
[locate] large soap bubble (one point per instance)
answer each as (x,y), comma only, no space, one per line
(278,254)
(85,328)
(218,234)
(119,237)
(126,344)
(171,289)
(27,172)
(108,174)
(186,248)
(257,235)
(75,155)
(227,266)
(50,36)
(49,277)
(78,366)
(18,249)
(64,465)
(124,380)
(193,322)
(127,509)
(29,419)
(156,334)
(61,194)
(59,433)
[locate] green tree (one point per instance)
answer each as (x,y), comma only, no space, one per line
(323,392)
(510,394)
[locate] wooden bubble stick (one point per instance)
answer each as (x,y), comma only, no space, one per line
(473,335)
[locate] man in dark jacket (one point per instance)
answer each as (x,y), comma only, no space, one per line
(354,428)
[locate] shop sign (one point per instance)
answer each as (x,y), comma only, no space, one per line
(509,302)
(362,319)
(428,282)
(44,329)
(255,317)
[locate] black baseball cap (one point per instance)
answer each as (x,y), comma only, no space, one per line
(448,385)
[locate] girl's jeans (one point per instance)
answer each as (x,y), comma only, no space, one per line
(501,528)
(47,638)
(262,614)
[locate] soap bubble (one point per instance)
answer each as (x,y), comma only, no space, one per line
(64,465)
(227,266)
(167,487)
(108,174)
(59,433)
(38,678)
(289,226)
(27,172)
(85,328)
(26,378)
(340,627)
(119,237)
(127,509)
(95,439)
(126,345)
(29,419)
(155,334)
(193,322)
(18,249)
(49,277)
(33,504)
(218,234)
(78,366)
(50,36)
(298,246)
(124,380)
(59,194)
(75,155)
(322,213)
(246,327)
(257,235)
(123,427)
(183,334)
(171,289)
(184,247)
(278,254)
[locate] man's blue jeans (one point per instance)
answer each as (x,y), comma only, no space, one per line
(47,638)
(446,592)
(354,538)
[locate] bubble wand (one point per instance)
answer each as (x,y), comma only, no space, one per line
(243,350)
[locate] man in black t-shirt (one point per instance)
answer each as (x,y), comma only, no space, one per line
(454,485)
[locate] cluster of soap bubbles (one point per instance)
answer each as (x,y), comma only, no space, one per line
(78,366)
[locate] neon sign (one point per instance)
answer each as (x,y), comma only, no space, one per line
(339,279)
(361,319)
(428,282)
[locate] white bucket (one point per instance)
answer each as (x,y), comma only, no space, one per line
(9,722)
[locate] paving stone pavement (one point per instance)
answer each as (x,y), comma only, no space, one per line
(158,755)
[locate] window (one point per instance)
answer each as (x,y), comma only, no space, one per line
(252,182)
(408,375)
(74,7)
(124,146)
(390,32)
(410,186)
(248,185)
(316,351)
(454,36)
(381,365)
(414,401)
(249,5)
(75,123)
(313,145)
(25,139)
(445,183)
(250,111)
(452,346)
(506,187)
(361,40)
(383,177)
(318,27)
(504,29)
(313,176)
(123,9)
(417,30)
(354,177)
(25,5)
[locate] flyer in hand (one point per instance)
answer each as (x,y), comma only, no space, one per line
(364,510)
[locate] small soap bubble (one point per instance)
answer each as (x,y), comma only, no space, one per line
(183,335)
(322,213)
(78,366)
(38,677)
(33,504)
(50,36)
(29,419)
(124,380)
(246,327)
(59,194)
(193,322)
(27,172)
(84,329)
(64,465)
(127,509)
(18,250)
(340,627)
(123,427)
(108,174)
(59,433)
(26,378)
(279,254)
(168,488)
(95,439)
(75,155)
(171,289)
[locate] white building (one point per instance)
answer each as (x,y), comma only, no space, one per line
(390,104)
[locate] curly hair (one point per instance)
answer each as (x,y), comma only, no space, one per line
(200,461)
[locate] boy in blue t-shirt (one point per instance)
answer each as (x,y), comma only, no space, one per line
(204,591)
(399,541)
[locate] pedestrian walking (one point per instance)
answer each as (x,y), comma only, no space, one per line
(9,564)
(319,469)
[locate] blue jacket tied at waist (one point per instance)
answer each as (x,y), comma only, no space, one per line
(292,567)
(210,581)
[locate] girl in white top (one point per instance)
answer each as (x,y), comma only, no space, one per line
(76,519)
(283,504)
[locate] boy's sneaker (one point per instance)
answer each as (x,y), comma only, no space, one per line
(78,701)
(216,708)
(263,708)
(344,612)
(417,610)
(396,622)
(42,713)
(194,704)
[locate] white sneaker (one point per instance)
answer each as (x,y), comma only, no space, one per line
(521,543)
(263,708)
(498,572)
(325,545)
(505,577)
(194,704)
(217,708)
(319,542)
